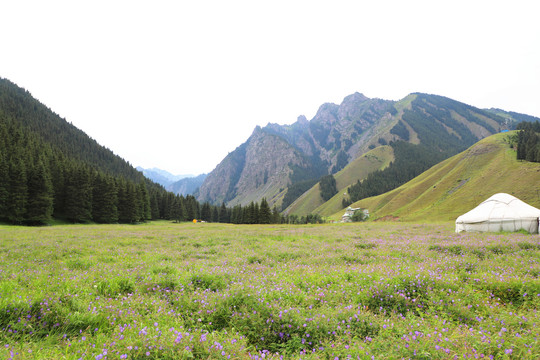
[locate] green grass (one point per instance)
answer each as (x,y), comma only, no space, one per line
(311,201)
(179,291)
(459,184)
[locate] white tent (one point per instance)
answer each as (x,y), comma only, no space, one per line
(501,212)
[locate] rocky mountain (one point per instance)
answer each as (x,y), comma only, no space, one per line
(187,185)
(279,159)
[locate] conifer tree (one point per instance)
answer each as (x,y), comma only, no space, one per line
(143,202)
(192,207)
(237,215)
(531,141)
(154,206)
(40,194)
(246,215)
(276,217)
(183,211)
(215,214)
(104,200)
(78,194)
(521,147)
(223,215)
(18,191)
(253,213)
(4,184)
(57,167)
(264,212)
(127,202)
(206,212)
(176,209)
(167,202)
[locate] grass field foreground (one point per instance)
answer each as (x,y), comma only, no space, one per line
(214,291)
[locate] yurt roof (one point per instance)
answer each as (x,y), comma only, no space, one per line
(499,207)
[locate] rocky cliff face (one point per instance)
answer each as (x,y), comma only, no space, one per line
(276,156)
(269,163)
(258,168)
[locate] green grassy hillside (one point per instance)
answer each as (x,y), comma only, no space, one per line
(311,201)
(458,184)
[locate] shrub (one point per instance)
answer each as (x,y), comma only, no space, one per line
(365,246)
(210,282)
(115,286)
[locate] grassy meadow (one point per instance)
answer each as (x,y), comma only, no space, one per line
(214,291)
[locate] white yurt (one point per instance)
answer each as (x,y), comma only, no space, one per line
(501,212)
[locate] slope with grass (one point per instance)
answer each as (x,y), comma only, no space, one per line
(459,183)
(312,202)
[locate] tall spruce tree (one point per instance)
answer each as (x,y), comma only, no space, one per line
(127,202)
(4,185)
(144,198)
(177,209)
(265,215)
(276,216)
(215,214)
(192,207)
(78,194)
(104,200)
(223,214)
(154,206)
(206,212)
(40,194)
(18,191)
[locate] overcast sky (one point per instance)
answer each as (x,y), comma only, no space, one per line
(179,84)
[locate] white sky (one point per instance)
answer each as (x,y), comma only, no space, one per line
(179,84)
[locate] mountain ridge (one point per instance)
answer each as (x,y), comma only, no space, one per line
(339,134)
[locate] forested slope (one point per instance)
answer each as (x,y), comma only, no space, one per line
(49,168)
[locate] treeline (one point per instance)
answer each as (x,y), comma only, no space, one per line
(34,117)
(327,186)
(294,191)
(38,182)
(410,161)
(528,144)
(49,169)
(256,213)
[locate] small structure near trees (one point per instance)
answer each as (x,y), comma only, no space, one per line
(354,215)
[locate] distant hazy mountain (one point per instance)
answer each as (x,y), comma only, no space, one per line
(162,177)
(187,186)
